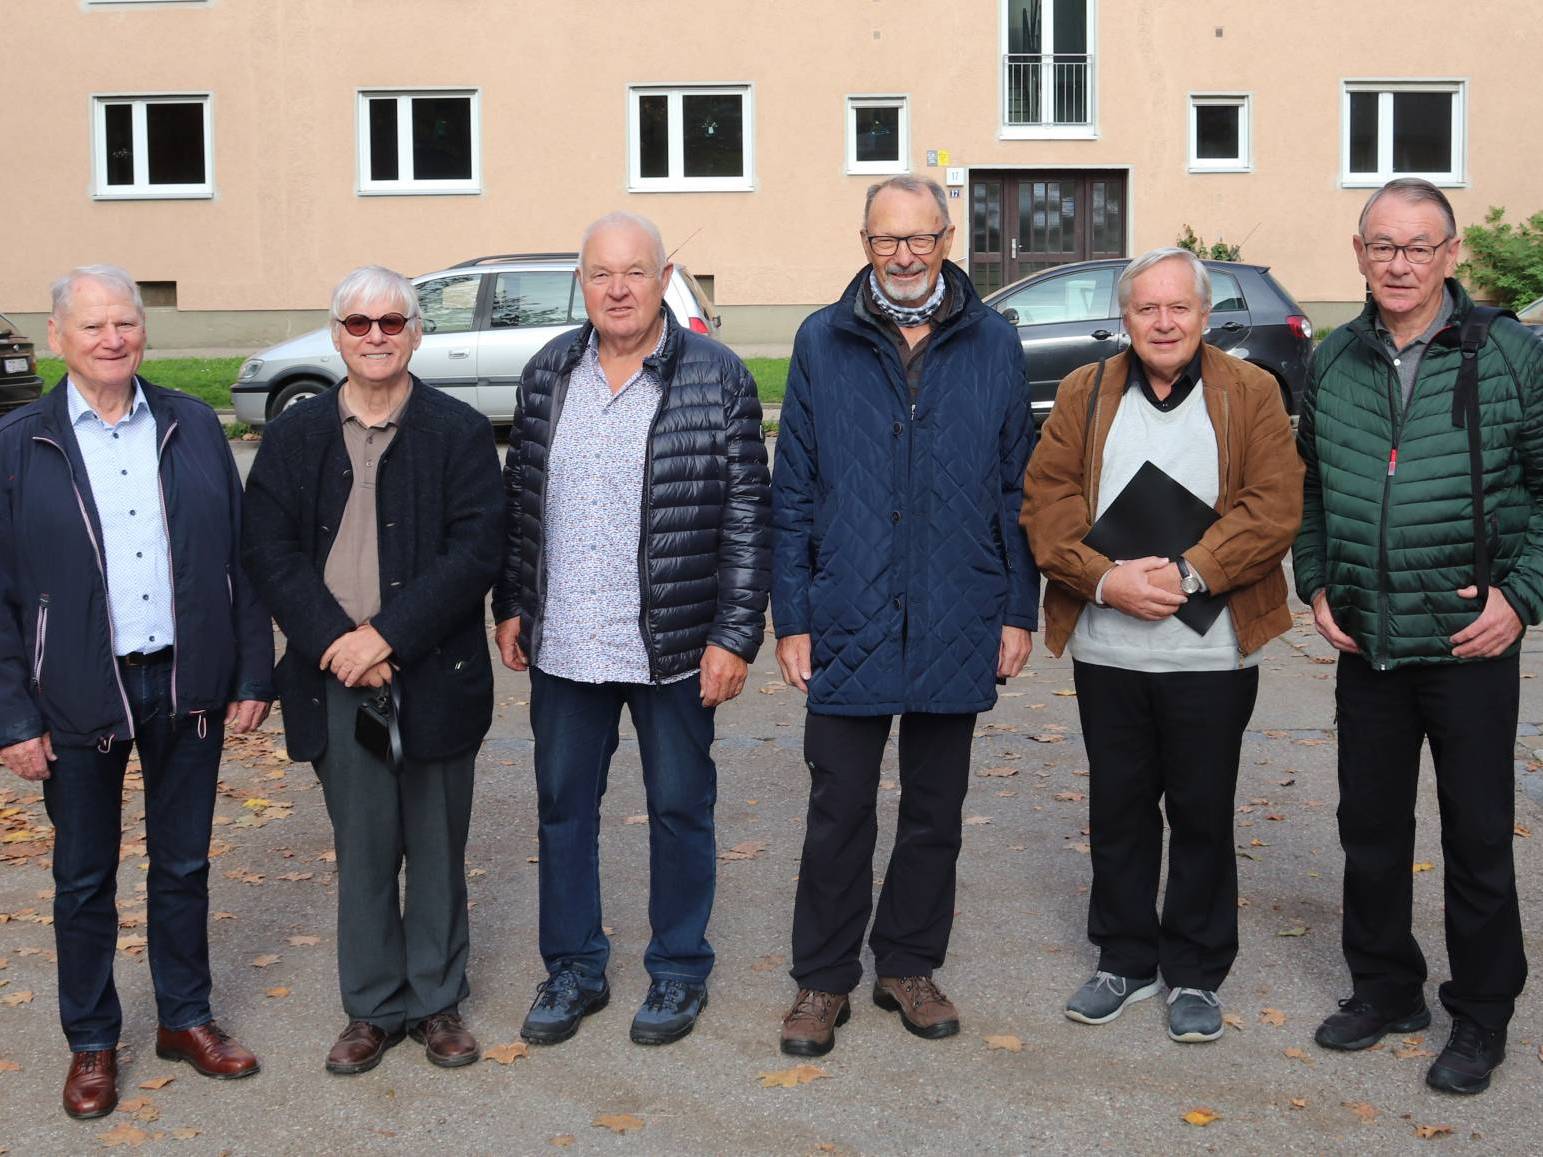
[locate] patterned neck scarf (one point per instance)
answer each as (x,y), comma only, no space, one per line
(906,316)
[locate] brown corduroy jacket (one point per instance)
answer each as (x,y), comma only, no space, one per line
(1260,501)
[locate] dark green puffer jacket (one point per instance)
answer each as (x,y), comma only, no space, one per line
(1393,548)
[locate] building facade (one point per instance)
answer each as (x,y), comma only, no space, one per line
(239,157)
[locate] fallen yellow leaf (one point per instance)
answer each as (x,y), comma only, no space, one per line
(155,1083)
(277,993)
(1272,1016)
(1007,1043)
(16,999)
(265,960)
(184,1132)
(506,1054)
(1361,1109)
(562,1140)
(9,1067)
(1426,1132)
(1424,866)
(619,1122)
(1201,1117)
(789,1078)
(124,1133)
(1299,1102)
(1297,1054)
(305,941)
(1232,1020)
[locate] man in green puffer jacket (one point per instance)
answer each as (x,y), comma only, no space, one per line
(1386,557)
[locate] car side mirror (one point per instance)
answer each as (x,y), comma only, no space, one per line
(1011,315)
(430,325)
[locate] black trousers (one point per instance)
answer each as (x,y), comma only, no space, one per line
(1468,711)
(1174,737)
(835,882)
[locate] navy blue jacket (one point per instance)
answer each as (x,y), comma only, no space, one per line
(896,542)
(704,561)
(57,671)
(440,524)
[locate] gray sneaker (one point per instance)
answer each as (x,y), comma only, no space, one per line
(1105,996)
(1194,1014)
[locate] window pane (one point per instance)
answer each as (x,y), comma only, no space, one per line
(120,144)
(1071,26)
(176,143)
(384,164)
(1363,132)
(441,138)
(713,134)
(878,134)
(1081,296)
(528,299)
(1024,26)
(1422,132)
(1225,292)
(653,136)
(1216,132)
(449,304)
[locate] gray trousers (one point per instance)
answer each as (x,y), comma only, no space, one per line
(399,961)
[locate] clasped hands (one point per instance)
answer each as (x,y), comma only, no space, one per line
(358,658)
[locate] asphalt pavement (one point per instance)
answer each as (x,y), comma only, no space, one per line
(1018,1078)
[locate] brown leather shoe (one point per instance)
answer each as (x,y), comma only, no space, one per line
(360,1047)
(445,1040)
(809,1029)
(923,1008)
(209,1049)
(91,1089)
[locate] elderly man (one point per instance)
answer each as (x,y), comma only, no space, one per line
(372,525)
(1163,702)
(125,622)
(901,586)
(635,575)
(1421,554)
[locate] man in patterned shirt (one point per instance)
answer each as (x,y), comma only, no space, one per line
(636,574)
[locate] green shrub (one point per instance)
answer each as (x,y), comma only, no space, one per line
(1505,260)
(1218,251)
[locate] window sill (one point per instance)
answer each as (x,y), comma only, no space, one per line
(1376,180)
(420,191)
(876,170)
(690,187)
(1047,133)
(179,194)
(1237,168)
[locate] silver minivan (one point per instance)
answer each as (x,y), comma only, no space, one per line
(482,321)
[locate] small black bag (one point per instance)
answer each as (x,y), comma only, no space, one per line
(376,728)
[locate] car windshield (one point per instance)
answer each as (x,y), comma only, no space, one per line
(1533,313)
(6,328)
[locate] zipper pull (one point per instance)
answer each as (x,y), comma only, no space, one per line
(913,411)
(1393,461)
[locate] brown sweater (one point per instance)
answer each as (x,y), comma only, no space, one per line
(1260,501)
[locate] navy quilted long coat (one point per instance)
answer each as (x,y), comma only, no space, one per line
(896,541)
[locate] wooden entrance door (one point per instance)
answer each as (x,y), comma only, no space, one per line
(1022,221)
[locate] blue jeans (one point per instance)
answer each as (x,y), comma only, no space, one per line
(83,796)
(575,727)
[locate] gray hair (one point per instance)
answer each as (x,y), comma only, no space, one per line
(1415,190)
(632,220)
(63,290)
(909,184)
(1156,257)
(375,283)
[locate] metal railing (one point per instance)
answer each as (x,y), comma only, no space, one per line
(1047,89)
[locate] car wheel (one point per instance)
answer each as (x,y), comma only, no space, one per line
(296,391)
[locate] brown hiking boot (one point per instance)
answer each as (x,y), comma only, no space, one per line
(809,1029)
(923,1008)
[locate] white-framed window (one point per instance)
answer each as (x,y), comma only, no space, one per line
(153,146)
(691,138)
(420,141)
(1403,128)
(1049,83)
(1220,133)
(878,134)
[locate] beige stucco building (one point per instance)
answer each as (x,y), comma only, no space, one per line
(239,157)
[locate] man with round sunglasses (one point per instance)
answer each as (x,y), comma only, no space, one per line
(901,586)
(1421,555)
(373,518)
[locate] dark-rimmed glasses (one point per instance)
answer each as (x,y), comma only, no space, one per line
(920,244)
(357,324)
(1419,253)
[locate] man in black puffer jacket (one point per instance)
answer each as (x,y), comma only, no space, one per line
(637,570)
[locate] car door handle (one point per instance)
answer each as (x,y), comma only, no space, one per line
(457,355)
(1101,334)
(1233,326)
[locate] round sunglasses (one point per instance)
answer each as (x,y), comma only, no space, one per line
(357,324)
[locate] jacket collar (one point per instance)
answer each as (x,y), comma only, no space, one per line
(56,410)
(968,309)
(1365,323)
(662,363)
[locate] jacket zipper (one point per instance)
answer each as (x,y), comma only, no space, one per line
(171,562)
(41,643)
(80,502)
(648,475)
(538,596)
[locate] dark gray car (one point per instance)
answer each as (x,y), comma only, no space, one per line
(1068,316)
(19,380)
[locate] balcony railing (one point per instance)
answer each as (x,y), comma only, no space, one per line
(1045,90)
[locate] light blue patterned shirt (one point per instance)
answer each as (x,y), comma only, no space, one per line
(122,462)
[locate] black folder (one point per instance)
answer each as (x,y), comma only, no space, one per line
(1154,515)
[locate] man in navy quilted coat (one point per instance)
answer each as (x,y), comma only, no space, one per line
(901,585)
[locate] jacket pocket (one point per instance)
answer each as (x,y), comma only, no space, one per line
(40,642)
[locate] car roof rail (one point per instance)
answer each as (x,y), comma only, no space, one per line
(498,258)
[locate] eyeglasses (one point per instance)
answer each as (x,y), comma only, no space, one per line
(1417,254)
(920,244)
(357,324)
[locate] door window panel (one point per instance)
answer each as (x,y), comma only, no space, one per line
(1081,296)
(449,304)
(522,300)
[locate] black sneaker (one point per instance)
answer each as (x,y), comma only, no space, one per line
(669,1012)
(562,1001)
(1472,1054)
(1359,1025)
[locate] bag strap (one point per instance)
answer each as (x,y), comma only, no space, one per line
(1465,412)
(1098,381)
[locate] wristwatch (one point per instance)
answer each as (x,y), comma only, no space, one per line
(1189,581)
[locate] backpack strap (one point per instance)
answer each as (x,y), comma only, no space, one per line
(1465,412)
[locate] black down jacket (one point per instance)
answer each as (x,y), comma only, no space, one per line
(704,564)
